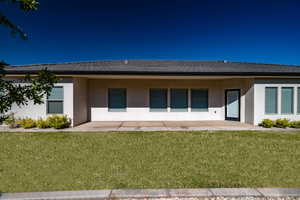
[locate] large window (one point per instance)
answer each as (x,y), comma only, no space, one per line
(271,100)
(179,100)
(55,101)
(199,100)
(158,100)
(117,100)
(287,100)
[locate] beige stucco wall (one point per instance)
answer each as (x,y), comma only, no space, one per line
(138,99)
(80,101)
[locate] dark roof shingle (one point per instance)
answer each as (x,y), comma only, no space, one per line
(160,67)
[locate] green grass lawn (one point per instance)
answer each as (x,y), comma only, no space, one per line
(76,161)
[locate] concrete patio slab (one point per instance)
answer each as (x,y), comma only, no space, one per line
(105,126)
(214,123)
(153,129)
(127,128)
(101,124)
(143,124)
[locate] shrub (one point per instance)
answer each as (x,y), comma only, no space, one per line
(295,124)
(59,121)
(282,123)
(40,123)
(11,121)
(267,123)
(27,123)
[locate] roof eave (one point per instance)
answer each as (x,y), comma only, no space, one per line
(34,72)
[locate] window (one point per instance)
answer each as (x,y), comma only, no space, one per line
(298,100)
(271,100)
(117,100)
(158,100)
(179,100)
(287,100)
(199,100)
(55,101)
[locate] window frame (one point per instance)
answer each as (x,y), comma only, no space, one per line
(191,102)
(277,98)
(55,100)
(166,98)
(108,101)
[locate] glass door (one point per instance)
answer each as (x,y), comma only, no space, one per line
(232,104)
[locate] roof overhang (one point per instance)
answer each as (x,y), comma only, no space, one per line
(74,73)
(165,76)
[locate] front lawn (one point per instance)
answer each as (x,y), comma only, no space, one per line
(77,161)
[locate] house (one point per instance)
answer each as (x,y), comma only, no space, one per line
(154,90)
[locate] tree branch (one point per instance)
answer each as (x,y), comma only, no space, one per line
(26,5)
(14,28)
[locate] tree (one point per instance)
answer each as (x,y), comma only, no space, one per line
(36,87)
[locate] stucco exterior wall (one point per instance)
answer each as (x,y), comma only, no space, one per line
(80,101)
(138,99)
(259,98)
(249,102)
(86,100)
(40,111)
(244,85)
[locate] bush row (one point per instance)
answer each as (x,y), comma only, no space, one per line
(53,121)
(280,123)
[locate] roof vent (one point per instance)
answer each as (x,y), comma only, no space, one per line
(225,61)
(125,62)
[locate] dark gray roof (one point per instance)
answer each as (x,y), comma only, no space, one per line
(160,67)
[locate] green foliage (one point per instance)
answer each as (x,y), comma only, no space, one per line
(27,5)
(294,124)
(282,123)
(40,123)
(11,121)
(53,121)
(34,91)
(27,123)
(21,95)
(59,121)
(267,123)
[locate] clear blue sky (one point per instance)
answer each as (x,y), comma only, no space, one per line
(79,30)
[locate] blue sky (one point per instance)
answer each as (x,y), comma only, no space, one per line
(64,31)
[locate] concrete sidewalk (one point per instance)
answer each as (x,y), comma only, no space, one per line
(212,193)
